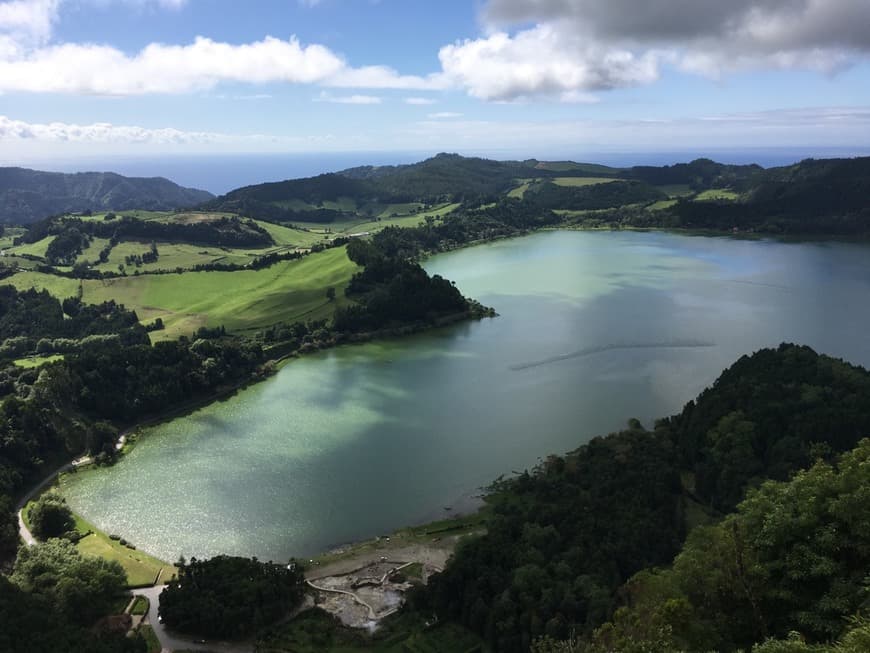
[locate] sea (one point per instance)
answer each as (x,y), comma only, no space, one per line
(221,173)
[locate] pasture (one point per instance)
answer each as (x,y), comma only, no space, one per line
(241,300)
(717,195)
(577,182)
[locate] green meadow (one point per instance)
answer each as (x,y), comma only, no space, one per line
(240,300)
(717,194)
(583,181)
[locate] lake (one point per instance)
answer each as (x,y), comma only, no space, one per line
(593,329)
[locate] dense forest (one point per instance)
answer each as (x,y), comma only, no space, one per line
(230,597)
(53,597)
(578,541)
(393,290)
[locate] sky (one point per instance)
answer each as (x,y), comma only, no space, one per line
(544,78)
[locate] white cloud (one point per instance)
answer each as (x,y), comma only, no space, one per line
(576,46)
(103,70)
(543,60)
(444,115)
(419,101)
(24,23)
(385,77)
(29,62)
(57,132)
(347,99)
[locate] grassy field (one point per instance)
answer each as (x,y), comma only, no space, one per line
(582,181)
(173,256)
(33,249)
(60,287)
(241,300)
(92,252)
(141,569)
(661,205)
(37,361)
(362,224)
(520,191)
(315,630)
(9,234)
(717,194)
(288,237)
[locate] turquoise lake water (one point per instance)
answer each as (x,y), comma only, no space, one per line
(593,329)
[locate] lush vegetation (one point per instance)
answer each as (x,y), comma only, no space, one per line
(563,540)
(811,197)
(35,322)
(53,598)
(393,290)
(49,516)
(229,596)
(793,558)
(315,631)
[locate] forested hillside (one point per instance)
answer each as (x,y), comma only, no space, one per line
(811,197)
(30,195)
(565,539)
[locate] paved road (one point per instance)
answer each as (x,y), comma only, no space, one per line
(171,641)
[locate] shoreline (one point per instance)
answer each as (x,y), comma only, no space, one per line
(275,363)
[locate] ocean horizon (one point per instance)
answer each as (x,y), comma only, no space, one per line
(221,173)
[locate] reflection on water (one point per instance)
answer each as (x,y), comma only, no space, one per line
(360,440)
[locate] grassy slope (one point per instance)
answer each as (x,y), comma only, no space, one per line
(37,361)
(583,181)
(363,223)
(60,287)
(716,194)
(240,300)
(33,249)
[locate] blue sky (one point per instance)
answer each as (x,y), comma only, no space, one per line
(543,78)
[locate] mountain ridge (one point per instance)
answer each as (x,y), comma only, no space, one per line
(28,195)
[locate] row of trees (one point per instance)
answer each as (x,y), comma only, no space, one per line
(73,234)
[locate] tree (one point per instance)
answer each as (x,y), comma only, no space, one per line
(229,596)
(330,294)
(81,588)
(50,516)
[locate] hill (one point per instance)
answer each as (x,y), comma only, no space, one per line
(30,195)
(810,197)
